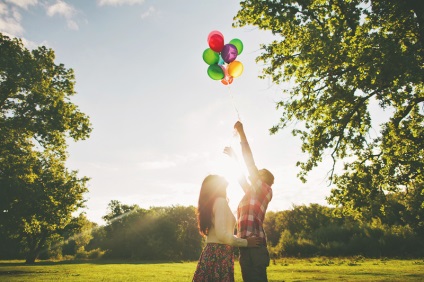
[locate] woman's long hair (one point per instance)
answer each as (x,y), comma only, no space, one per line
(213,186)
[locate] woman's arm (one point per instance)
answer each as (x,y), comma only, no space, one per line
(241,178)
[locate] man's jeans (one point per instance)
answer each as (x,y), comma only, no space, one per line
(253,262)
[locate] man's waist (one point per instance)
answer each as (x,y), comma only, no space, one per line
(262,238)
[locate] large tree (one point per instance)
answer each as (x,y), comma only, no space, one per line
(37,192)
(343,58)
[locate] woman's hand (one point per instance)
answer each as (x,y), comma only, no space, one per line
(230,152)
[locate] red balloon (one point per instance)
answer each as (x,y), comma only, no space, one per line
(216,42)
(213,33)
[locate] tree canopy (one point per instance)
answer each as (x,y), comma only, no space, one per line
(37,192)
(344,59)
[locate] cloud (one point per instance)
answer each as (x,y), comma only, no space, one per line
(65,10)
(72,25)
(10,25)
(23,3)
(149,12)
(3,9)
(10,21)
(176,160)
(118,2)
(60,8)
(156,165)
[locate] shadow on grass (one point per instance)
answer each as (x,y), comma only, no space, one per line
(14,272)
(97,261)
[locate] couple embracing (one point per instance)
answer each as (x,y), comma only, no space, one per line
(216,222)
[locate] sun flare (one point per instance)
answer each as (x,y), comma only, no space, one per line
(231,170)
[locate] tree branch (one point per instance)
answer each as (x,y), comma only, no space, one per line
(407,110)
(340,133)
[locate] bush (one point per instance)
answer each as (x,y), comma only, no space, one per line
(92,254)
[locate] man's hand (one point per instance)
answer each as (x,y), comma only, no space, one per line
(238,126)
(254,242)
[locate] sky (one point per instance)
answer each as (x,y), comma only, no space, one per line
(160,124)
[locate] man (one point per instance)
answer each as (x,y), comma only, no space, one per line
(251,212)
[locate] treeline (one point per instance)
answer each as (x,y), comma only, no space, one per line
(170,233)
(317,230)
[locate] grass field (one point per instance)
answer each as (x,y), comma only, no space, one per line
(315,269)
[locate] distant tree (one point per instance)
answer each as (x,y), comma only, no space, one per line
(343,58)
(304,220)
(319,230)
(77,235)
(121,220)
(157,233)
(37,192)
(414,209)
(98,242)
(117,211)
(188,244)
(273,227)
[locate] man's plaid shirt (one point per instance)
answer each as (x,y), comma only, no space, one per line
(251,211)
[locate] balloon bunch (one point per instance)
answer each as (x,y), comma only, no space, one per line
(221,58)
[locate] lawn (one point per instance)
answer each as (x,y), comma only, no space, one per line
(315,269)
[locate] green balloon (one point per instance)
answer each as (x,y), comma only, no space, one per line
(210,56)
(239,45)
(215,72)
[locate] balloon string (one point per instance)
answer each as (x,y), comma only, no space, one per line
(234,103)
(238,114)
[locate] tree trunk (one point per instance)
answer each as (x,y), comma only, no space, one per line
(31,257)
(35,246)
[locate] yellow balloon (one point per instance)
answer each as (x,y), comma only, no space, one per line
(235,69)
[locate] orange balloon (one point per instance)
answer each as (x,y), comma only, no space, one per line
(235,69)
(227,80)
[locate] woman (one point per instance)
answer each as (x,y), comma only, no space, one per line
(216,222)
